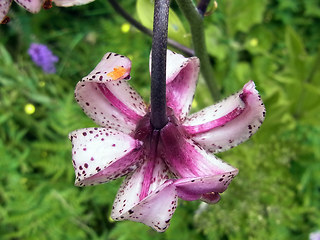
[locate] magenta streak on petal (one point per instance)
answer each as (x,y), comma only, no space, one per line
(246,92)
(118,104)
(183,157)
(176,153)
(214,123)
(148,171)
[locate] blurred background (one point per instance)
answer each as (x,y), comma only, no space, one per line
(277,192)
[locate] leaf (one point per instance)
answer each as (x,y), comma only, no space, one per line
(176,30)
(297,54)
(259,40)
(5,56)
(242,15)
(214,44)
(312,8)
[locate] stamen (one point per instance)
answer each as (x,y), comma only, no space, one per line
(47,4)
(5,20)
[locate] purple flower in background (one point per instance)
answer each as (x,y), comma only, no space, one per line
(42,56)
(315,235)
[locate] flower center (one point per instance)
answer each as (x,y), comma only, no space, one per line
(150,138)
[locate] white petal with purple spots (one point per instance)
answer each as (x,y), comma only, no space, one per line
(4,8)
(154,210)
(107,98)
(70,3)
(181,78)
(32,6)
(229,122)
(100,155)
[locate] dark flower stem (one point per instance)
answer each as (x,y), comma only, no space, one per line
(202,6)
(158,65)
(185,50)
(195,20)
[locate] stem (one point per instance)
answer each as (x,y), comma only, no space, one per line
(197,30)
(202,6)
(185,50)
(158,64)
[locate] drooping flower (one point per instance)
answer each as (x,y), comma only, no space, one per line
(34,6)
(42,56)
(160,165)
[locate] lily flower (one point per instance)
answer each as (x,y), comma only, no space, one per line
(160,165)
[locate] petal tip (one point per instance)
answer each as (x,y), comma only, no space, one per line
(112,67)
(250,87)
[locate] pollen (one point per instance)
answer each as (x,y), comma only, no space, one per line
(117,73)
(29,109)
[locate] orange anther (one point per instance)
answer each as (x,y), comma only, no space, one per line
(117,73)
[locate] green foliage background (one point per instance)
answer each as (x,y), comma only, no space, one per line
(277,192)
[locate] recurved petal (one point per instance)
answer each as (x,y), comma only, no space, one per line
(4,8)
(205,188)
(107,98)
(70,3)
(100,155)
(154,210)
(186,159)
(32,6)
(228,123)
(182,75)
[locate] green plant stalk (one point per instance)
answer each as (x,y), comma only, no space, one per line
(197,30)
(185,50)
(158,64)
